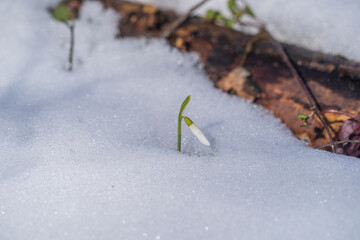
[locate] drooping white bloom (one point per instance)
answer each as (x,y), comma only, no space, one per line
(197,132)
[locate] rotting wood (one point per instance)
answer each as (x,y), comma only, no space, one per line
(334,80)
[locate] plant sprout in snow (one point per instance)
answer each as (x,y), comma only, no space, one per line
(65,14)
(194,129)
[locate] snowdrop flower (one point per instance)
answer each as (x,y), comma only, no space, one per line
(196,131)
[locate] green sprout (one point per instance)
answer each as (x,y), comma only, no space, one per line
(236,11)
(63,13)
(211,14)
(231,5)
(249,11)
(305,118)
(302,116)
(194,129)
(215,16)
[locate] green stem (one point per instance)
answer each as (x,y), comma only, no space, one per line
(179,134)
(182,108)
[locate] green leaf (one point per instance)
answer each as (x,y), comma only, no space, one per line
(210,14)
(219,17)
(229,23)
(231,5)
(238,13)
(62,13)
(304,125)
(183,105)
(249,11)
(302,116)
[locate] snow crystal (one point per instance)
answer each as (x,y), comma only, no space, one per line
(91,154)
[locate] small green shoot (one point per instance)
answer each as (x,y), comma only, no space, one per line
(194,129)
(237,13)
(305,124)
(62,13)
(182,108)
(302,116)
(305,118)
(229,23)
(211,14)
(249,11)
(231,5)
(65,14)
(215,16)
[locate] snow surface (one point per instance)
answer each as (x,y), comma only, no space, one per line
(91,154)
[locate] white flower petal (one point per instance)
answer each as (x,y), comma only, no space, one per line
(198,133)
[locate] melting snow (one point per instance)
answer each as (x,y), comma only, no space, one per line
(91,154)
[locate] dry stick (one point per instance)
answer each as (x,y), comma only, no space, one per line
(250,44)
(174,25)
(249,47)
(339,142)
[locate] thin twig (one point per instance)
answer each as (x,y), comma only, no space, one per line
(304,87)
(339,142)
(249,48)
(174,25)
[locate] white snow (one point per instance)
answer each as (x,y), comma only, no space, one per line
(91,154)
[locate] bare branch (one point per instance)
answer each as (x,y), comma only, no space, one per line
(249,47)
